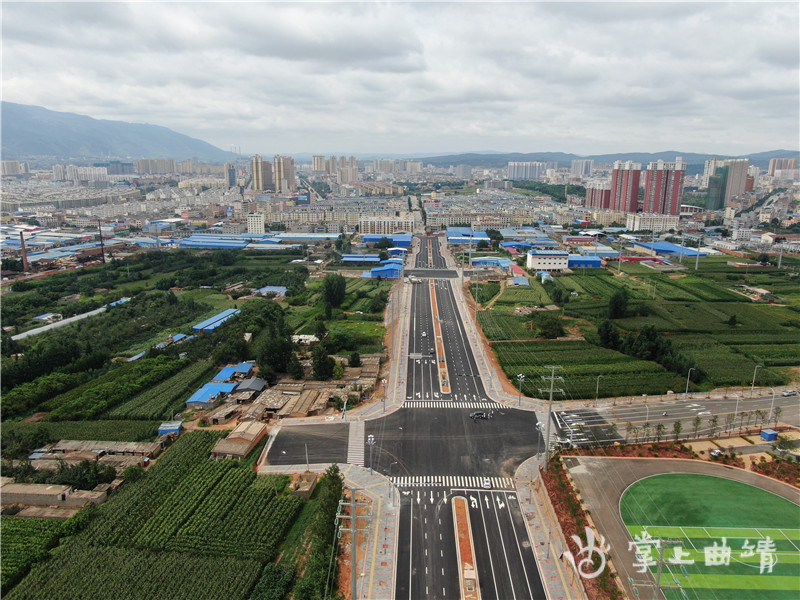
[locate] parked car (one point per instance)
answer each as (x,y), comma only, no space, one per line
(716,453)
(789,393)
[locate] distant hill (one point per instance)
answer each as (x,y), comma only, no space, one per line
(36,131)
(693,160)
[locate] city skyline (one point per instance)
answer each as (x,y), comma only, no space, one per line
(344,78)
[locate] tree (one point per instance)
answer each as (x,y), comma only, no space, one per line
(482,245)
(618,304)
(777,414)
(609,335)
(763,258)
(321,364)
(355,359)
(550,326)
(677,427)
(296,370)
(713,422)
(697,421)
(646,430)
(384,243)
(320,330)
(732,321)
(338,370)
(333,289)
(628,429)
(660,429)
(383,255)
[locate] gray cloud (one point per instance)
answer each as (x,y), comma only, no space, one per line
(378,77)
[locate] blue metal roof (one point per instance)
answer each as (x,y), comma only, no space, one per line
(243,367)
(521,281)
(216,320)
(272,289)
(224,374)
(669,248)
(209,390)
(360,258)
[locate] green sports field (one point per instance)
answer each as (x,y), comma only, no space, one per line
(699,511)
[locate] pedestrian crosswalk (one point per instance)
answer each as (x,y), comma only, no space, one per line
(448,404)
(355,444)
(454,482)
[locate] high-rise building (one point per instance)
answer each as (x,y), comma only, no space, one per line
(342,162)
(737,177)
(284,174)
(625,186)
(331,165)
(779,164)
(229,175)
(464,172)
(318,163)
(598,195)
(155,166)
(582,167)
(715,200)
(522,171)
(58,172)
(353,163)
(663,187)
(257,169)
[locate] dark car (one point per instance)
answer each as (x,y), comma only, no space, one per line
(478,414)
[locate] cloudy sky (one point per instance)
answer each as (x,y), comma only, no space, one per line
(420,77)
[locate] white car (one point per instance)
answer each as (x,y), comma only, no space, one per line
(789,393)
(487,483)
(424,334)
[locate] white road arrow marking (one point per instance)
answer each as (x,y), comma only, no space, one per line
(512,497)
(473,501)
(417,497)
(500,504)
(486,498)
(431,496)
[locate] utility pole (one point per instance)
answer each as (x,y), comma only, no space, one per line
(552,390)
(102,247)
(658,586)
(697,260)
(354,530)
(370,443)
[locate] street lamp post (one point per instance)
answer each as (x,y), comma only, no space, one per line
(370,443)
(688,375)
(597,390)
(753,383)
(771,406)
(520,378)
(344,410)
(736,410)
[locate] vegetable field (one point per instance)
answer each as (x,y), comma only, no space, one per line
(82,572)
(503,326)
(582,362)
(532,295)
(155,403)
(25,541)
(190,527)
(94,398)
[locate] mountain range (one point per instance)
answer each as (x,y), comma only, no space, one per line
(34,131)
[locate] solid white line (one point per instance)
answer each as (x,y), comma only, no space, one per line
(503,544)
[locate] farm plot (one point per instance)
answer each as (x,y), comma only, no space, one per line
(703,289)
(581,364)
(503,326)
(110,431)
(125,574)
(532,295)
(156,402)
(721,364)
(772,355)
(25,541)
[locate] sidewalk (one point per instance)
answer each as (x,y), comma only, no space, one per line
(376,553)
(546,548)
